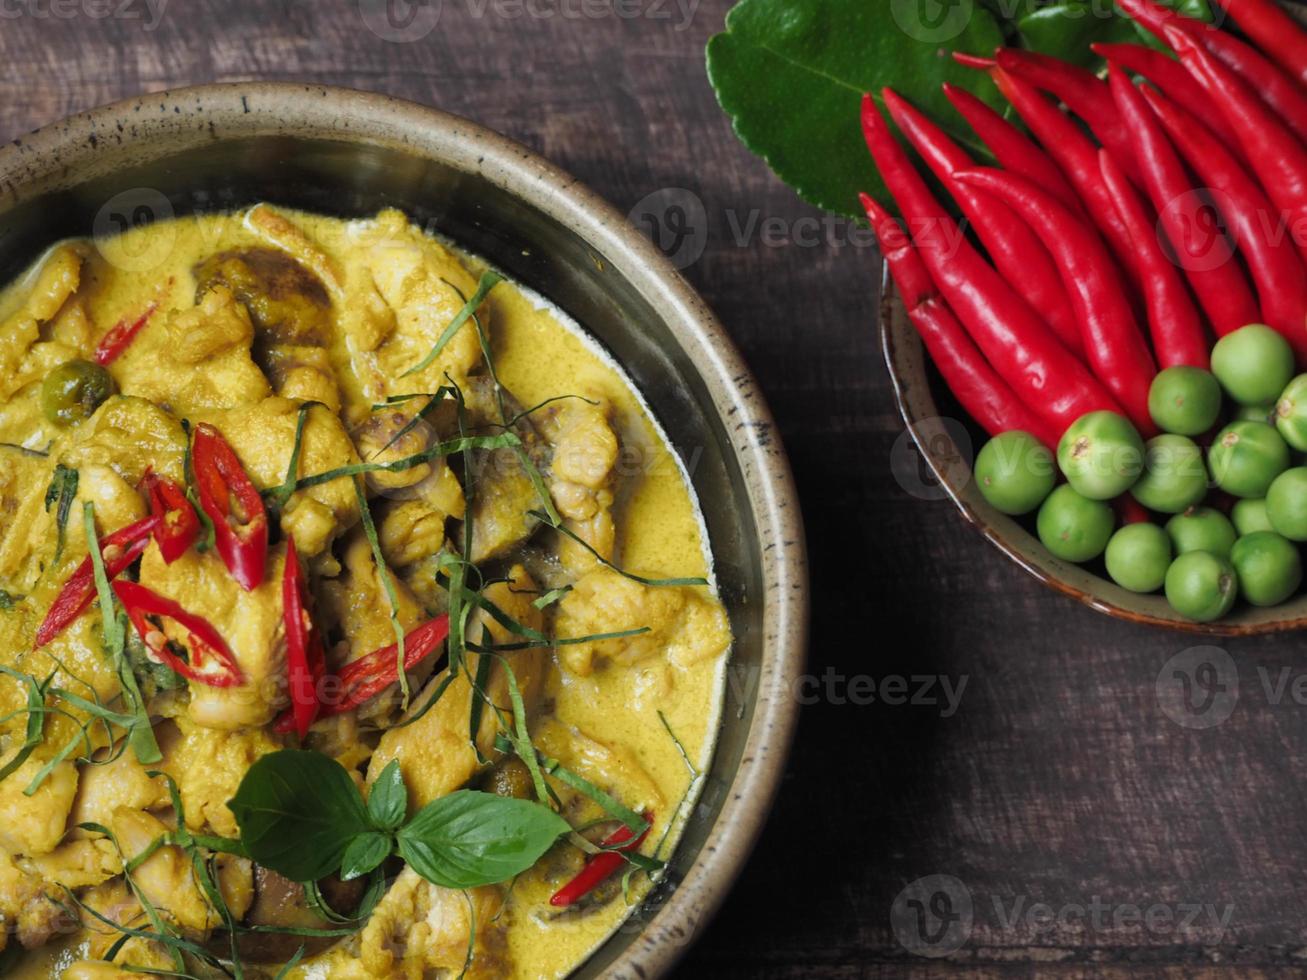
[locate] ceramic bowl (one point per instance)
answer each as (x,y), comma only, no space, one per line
(349,153)
(947,440)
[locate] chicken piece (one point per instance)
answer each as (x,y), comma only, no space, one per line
(585,452)
(208,766)
(606,763)
(23,518)
(682,624)
(250,622)
(194,360)
(263,437)
(120,783)
(358,602)
(409,530)
(434,752)
(301,373)
(277,230)
(114,901)
(77,864)
(34,825)
(129,436)
(58,278)
(404,290)
(503,496)
(166,878)
(419,929)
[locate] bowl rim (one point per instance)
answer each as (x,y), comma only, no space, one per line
(98,141)
(916,406)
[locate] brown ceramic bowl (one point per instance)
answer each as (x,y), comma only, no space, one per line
(350,153)
(946,439)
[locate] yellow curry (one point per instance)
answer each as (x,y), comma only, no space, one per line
(355,615)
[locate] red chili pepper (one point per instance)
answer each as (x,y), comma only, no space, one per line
(117,551)
(1081,91)
(1274,88)
(1020,346)
(208,658)
(1202,249)
(1013,248)
(1173,320)
(987,398)
(305,660)
(1012,148)
(1280,35)
(1277,269)
(1116,348)
(1175,82)
(121,335)
(1077,156)
(1130,511)
(600,867)
(233,503)
(178,526)
(1274,153)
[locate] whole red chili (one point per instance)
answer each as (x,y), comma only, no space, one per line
(1279,35)
(1080,90)
(1115,345)
(179,525)
(121,335)
(1276,267)
(208,659)
(117,551)
(602,866)
(1011,147)
(234,505)
(1020,346)
(1013,248)
(305,661)
(1202,249)
(986,397)
(1173,319)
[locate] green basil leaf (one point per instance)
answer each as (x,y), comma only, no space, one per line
(468,839)
(364,854)
(1065,30)
(298,812)
(791,74)
(388,798)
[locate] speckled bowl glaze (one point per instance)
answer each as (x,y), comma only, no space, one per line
(349,153)
(946,440)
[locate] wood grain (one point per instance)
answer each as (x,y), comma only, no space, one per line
(1060,778)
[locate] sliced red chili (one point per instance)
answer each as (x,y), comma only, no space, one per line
(233,503)
(601,866)
(121,335)
(179,525)
(117,551)
(365,678)
(208,658)
(305,661)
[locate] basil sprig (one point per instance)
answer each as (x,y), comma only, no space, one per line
(301,815)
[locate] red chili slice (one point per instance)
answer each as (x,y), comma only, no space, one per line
(233,503)
(178,526)
(365,678)
(209,659)
(121,335)
(305,661)
(601,867)
(117,550)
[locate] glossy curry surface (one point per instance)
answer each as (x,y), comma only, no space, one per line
(265,324)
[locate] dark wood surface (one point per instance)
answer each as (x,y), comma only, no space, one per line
(1060,778)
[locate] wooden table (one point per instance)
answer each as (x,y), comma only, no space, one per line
(1059,780)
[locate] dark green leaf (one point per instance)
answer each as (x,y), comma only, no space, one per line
(8,600)
(364,854)
(468,839)
(791,74)
(388,798)
(298,811)
(63,488)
